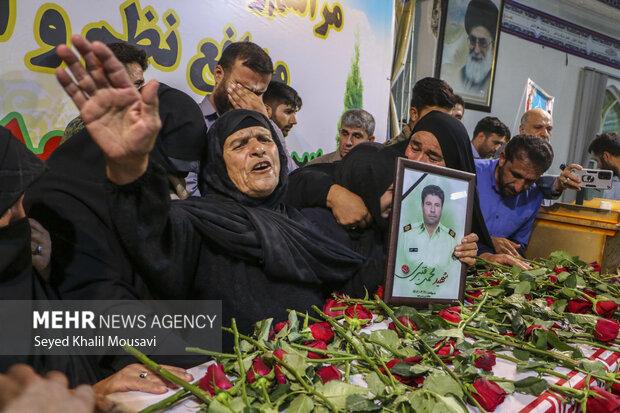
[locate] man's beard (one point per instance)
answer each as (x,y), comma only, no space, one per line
(477,70)
(610,167)
(220,98)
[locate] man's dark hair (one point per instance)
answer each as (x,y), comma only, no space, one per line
(458,100)
(489,125)
(128,53)
(432,190)
(531,147)
(432,92)
(250,53)
(605,142)
(279,93)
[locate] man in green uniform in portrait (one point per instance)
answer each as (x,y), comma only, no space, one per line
(427,248)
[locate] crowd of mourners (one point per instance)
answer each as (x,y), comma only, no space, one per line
(153,196)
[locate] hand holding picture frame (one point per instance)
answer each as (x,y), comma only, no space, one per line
(431,214)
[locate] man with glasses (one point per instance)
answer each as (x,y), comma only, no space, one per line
(481,26)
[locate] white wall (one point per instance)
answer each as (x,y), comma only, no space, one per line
(554,71)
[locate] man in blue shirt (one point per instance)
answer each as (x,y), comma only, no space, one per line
(509,198)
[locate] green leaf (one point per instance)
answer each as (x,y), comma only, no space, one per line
(522,355)
(280,391)
(387,337)
(375,385)
(297,363)
(452,332)
(301,404)
(494,292)
(523,287)
(582,320)
(531,385)
(441,383)
(447,405)
(593,366)
(557,343)
(530,275)
(216,407)
(358,403)
(571,281)
(563,276)
(532,365)
(262,329)
(508,386)
(293,322)
(337,392)
(518,325)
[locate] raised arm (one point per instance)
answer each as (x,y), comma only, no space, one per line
(122,121)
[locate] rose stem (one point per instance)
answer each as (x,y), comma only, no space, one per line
(434,355)
(201,394)
(244,395)
(305,385)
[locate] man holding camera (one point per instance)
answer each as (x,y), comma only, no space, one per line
(605,149)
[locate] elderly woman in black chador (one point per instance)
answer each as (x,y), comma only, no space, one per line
(239,244)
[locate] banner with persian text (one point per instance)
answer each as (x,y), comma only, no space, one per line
(330,51)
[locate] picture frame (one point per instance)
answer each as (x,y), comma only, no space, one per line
(420,267)
(467,51)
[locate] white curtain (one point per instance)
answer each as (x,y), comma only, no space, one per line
(587,116)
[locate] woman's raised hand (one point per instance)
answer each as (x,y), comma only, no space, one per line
(121,120)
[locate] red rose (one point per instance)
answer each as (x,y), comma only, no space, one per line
(486,361)
(589,292)
(489,395)
(451,314)
(494,283)
(602,401)
(357,315)
(614,279)
(404,321)
(528,297)
(446,349)
(552,278)
(531,329)
(331,303)
(259,368)
(329,373)
(475,293)
(549,301)
(606,329)
(615,388)
(379,292)
(280,377)
(215,380)
(280,326)
(559,270)
(409,381)
(322,331)
(578,307)
(606,308)
(595,266)
(317,344)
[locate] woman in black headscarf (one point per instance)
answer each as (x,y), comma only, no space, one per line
(367,171)
(451,136)
(19,170)
(239,244)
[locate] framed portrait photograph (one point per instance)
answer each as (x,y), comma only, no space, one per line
(431,214)
(467,52)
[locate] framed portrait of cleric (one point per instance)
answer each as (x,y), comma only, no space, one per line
(431,214)
(467,52)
